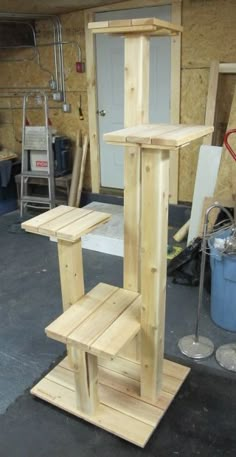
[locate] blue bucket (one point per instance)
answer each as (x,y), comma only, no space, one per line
(223,285)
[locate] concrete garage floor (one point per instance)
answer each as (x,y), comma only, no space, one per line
(30,299)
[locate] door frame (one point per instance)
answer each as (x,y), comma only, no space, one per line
(90,48)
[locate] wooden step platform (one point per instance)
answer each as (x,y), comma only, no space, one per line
(150,26)
(65,222)
(102,322)
(121,411)
(159,136)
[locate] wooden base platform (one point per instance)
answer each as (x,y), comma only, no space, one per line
(121,411)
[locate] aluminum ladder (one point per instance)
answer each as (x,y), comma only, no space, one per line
(36,138)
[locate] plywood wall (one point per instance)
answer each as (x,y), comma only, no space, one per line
(209,33)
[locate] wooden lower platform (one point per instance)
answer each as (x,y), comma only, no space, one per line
(121,411)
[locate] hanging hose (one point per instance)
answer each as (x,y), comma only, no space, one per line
(230,149)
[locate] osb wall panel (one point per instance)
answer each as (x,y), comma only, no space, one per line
(209,34)
(31,74)
(226,182)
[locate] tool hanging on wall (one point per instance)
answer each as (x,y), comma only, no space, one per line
(81,116)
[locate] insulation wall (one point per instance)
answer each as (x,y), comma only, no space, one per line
(209,33)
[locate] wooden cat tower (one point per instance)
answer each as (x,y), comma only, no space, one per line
(115,375)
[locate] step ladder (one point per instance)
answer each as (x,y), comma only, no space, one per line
(36,138)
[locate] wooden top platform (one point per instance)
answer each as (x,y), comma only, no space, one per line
(65,222)
(147,26)
(101,322)
(160,136)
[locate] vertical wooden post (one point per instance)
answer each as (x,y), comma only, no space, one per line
(90,48)
(176,13)
(136,112)
(86,380)
(154,229)
(71,275)
(71,272)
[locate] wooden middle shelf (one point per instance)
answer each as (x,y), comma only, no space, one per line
(102,322)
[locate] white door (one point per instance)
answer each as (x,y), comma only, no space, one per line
(110,78)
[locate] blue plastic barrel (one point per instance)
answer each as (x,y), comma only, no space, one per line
(223,286)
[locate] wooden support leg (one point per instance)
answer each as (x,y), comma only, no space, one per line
(86,380)
(71,275)
(136,112)
(154,229)
(71,272)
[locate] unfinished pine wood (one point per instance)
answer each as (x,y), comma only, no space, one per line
(75,171)
(111,341)
(62,222)
(169,137)
(154,229)
(102,322)
(32,225)
(71,272)
(86,380)
(136,111)
(98,322)
(81,310)
(211,98)
(176,40)
(135,25)
(82,170)
(121,410)
(75,230)
(92,102)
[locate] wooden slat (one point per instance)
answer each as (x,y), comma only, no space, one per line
(75,170)
(91,76)
(185,134)
(131,406)
(160,135)
(158,23)
(86,333)
(154,229)
(111,420)
(50,228)
(88,223)
(32,225)
(211,98)
(132,369)
(76,314)
(96,27)
(148,133)
(125,327)
(126,29)
(176,18)
(82,170)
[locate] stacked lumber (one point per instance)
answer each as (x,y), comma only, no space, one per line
(78,170)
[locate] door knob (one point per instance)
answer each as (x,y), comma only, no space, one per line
(101,112)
